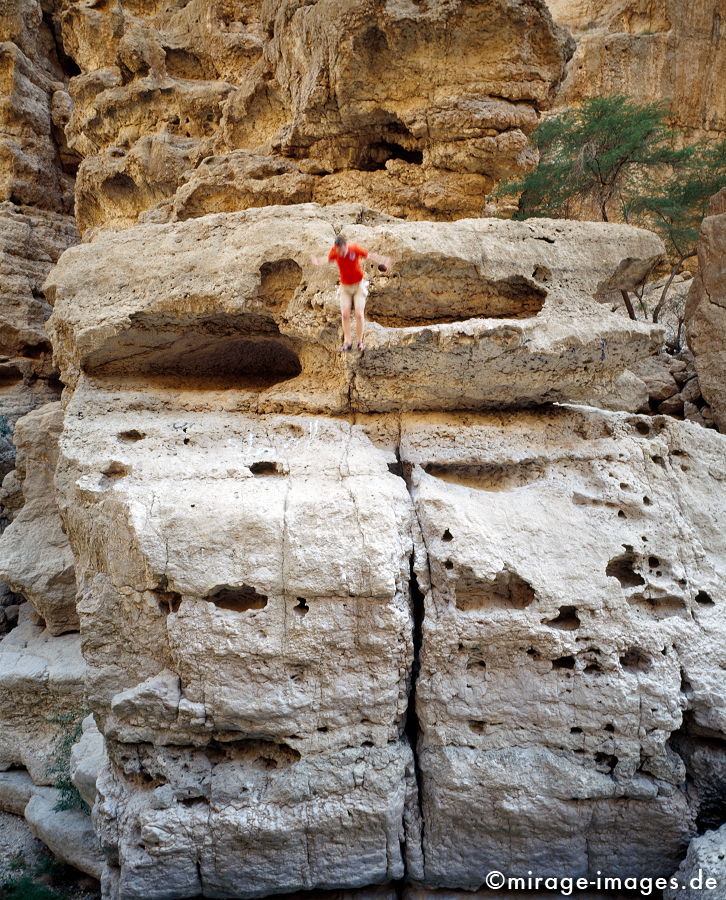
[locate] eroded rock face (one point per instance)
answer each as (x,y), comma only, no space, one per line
(482,313)
(36,202)
(706,310)
(416,110)
(549,689)
(35,556)
(649,49)
(248,665)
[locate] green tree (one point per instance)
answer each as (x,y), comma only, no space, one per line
(598,153)
(676,207)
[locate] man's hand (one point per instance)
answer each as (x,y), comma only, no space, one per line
(316,260)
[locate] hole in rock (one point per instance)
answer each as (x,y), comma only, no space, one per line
(376,154)
(184,351)
(606,762)
(635,660)
(447,536)
(323,729)
(118,188)
(238,599)
(642,428)
(116,469)
(301,607)
(660,607)
(567,619)
(575,730)
(609,727)
(396,468)
(506,590)
(564,662)
(169,601)
(278,282)
(703,598)
(490,477)
(534,654)
(592,668)
(541,273)
(653,562)
(35,351)
(265,467)
(647,501)
(448,564)
(621,514)
(478,665)
(477,726)
(435,289)
(623,568)
(255,752)
(131,436)
(182,64)
(658,460)
(10,374)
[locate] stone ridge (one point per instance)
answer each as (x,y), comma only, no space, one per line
(478,313)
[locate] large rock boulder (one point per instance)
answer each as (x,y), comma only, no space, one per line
(706,310)
(479,313)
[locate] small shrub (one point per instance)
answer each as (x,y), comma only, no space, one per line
(70,731)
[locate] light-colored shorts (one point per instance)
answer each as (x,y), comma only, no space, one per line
(353,293)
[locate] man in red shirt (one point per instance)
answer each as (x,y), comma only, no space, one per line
(353,288)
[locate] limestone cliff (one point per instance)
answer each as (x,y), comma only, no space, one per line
(414,109)
(361,622)
(650,50)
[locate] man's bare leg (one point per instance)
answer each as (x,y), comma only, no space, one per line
(360,314)
(345,304)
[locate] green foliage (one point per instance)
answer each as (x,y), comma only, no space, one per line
(5,429)
(48,879)
(599,153)
(25,888)
(70,731)
(676,207)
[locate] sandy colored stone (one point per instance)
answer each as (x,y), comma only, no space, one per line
(35,557)
(41,679)
(548,691)
(253,697)
(656,374)
(68,833)
(649,50)
(331,95)
(474,314)
(706,315)
(16,788)
(88,756)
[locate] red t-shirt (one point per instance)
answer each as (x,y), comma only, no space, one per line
(348,265)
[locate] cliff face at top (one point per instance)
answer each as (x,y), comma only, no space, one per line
(650,50)
(416,110)
(409,615)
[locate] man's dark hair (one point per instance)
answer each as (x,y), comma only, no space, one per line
(340,241)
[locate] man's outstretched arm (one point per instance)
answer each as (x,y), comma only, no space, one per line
(385,261)
(321,260)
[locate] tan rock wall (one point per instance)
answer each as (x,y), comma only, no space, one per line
(414,110)
(650,50)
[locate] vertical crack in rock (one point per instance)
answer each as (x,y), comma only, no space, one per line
(412,727)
